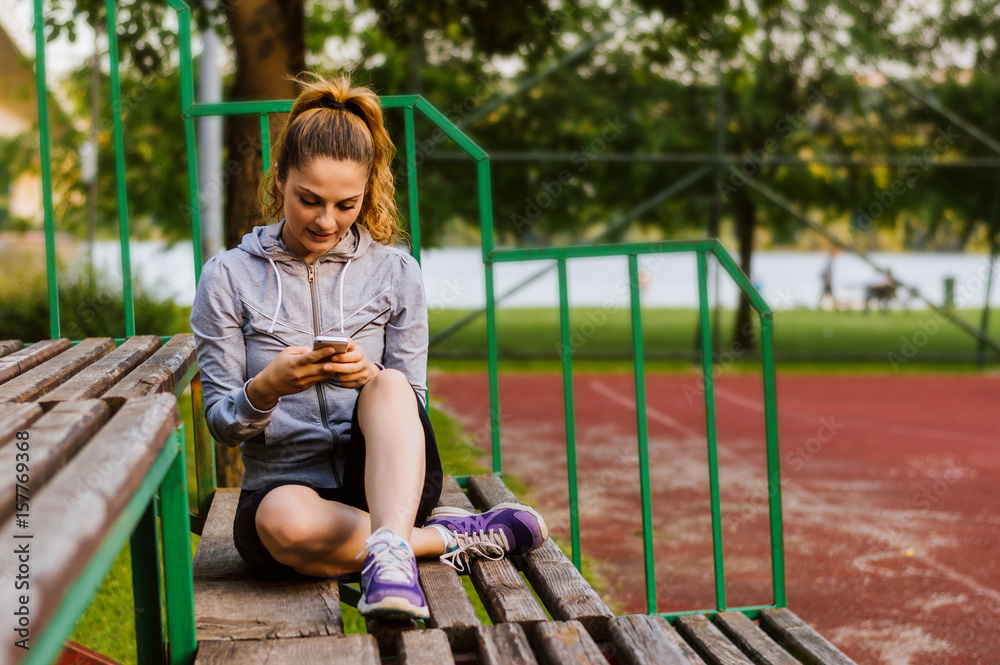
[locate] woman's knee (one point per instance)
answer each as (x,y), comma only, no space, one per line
(388,384)
(284,524)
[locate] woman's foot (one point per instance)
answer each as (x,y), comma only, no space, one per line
(389,584)
(507,528)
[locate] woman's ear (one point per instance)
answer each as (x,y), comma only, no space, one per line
(279,182)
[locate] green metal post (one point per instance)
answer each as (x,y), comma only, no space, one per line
(46,154)
(639,374)
(187,102)
(566,354)
(204,448)
(151,643)
(178,583)
(773,460)
(713,456)
(265,140)
(411,181)
(119,140)
(491,361)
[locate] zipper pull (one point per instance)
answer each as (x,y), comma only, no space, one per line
(312,275)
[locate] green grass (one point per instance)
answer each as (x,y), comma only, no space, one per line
(528,340)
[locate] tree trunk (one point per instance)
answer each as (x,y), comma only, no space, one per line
(746,222)
(269,40)
(268,36)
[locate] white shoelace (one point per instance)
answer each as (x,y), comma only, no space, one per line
(490,544)
(393,561)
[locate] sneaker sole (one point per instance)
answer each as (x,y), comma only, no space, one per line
(393,607)
(451,511)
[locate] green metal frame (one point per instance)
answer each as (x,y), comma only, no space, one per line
(146,543)
(164,483)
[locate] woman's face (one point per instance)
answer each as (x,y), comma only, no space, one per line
(322,201)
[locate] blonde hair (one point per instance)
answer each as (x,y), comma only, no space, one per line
(332,119)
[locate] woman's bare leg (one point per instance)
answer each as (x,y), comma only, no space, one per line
(323,538)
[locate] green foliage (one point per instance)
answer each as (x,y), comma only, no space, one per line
(89,305)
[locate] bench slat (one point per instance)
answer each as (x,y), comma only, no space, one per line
(9,346)
(232,603)
(425,647)
(35,382)
(800,639)
(16,417)
(563,590)
(752,640)
(82,502)
(53,439)
(95,379)
(450,607)
(504,644)
(346,649)
(567,642)
(709,641)
(19,362)
(645,640)
(160,373)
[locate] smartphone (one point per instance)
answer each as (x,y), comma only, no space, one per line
(337,342)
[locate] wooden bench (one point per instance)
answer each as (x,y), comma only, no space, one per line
(104,441)
(542,611)
(91,454)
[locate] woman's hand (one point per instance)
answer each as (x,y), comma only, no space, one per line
(293,370)
(353,367)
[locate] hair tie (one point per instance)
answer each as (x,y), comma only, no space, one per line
(331,103)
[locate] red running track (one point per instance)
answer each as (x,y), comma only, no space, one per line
(890,493)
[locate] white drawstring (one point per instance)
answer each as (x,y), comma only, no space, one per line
(343,278)
(277,275)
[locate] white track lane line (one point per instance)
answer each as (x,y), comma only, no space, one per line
(629,403)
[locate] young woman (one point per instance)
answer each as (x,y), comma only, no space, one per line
(341,465)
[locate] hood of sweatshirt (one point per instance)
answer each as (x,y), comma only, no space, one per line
(266,243)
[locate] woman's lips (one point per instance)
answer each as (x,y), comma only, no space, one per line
(320,237)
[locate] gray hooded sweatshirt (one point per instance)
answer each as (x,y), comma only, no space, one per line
(254,301)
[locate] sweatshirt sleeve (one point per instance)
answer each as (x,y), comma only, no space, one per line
(406,334)
(216,320)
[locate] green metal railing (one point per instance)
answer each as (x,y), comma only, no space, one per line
(409,105)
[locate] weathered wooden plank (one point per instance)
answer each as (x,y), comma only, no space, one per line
(53,439)
(425,647)
(95,379)
(21,361)
(448,603)
(77,508)
(387,631)
(645,640)
(565,592)
(160,373)
(339,649)
(16,417)
(233,603)
(504,644)
(709,641)
(36,382)
(800,639)
(566,642)
(504,593)
(9,346)
(447,600)
(751,640)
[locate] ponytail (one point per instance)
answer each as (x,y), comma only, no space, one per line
(331,119)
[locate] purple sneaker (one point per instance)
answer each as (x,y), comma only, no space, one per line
(389,585)
(507,528)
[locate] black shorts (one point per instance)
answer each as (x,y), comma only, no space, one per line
(352,493)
